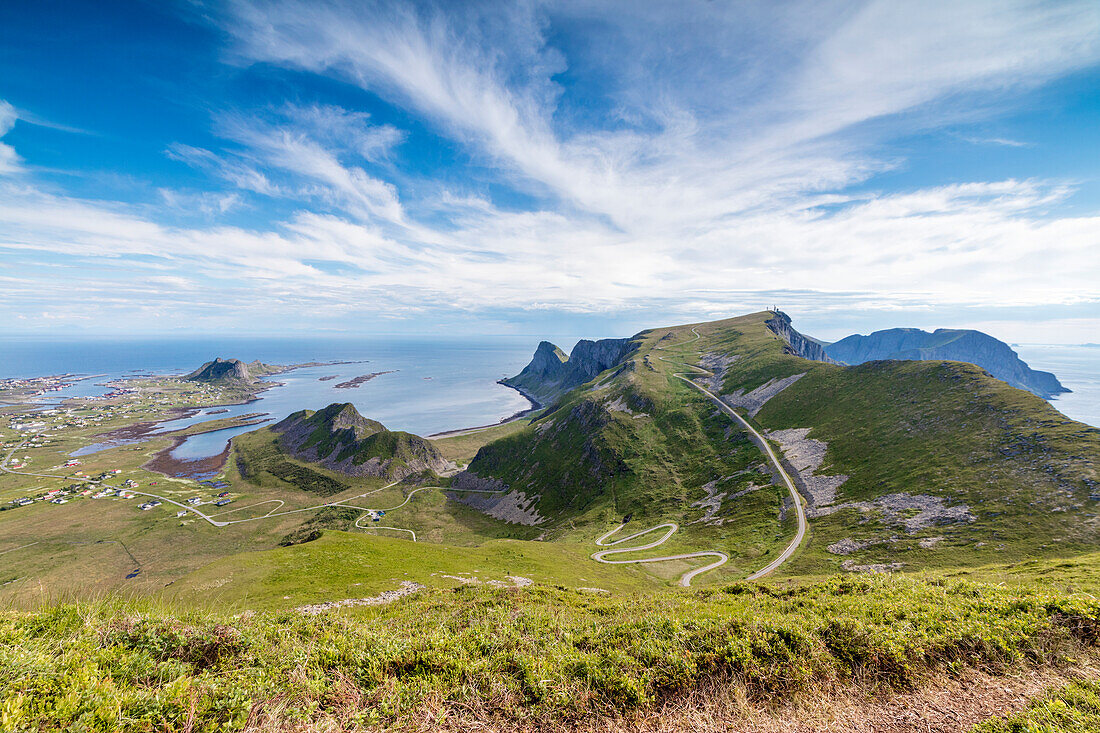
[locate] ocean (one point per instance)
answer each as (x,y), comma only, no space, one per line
(1077,368)
(435,385)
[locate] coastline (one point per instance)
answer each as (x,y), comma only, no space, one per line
(163,463)
(535,407)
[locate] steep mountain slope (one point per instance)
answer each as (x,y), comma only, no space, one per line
(341,439)
(233,372)
(902,464)
(975,347)
(634,442)
(797,343)
(551,373)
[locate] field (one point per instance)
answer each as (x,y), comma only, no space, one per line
(980,500)
(547,656)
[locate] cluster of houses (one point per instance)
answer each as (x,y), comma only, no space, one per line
(37,386)
(63,496)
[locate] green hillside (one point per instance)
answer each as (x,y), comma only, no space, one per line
(538,657)
(951,535)
(929,463)
(341,439)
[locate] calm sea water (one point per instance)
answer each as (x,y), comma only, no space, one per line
(438,385)
(1077,368)
(435,385)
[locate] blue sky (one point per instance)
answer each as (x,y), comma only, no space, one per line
(549,168)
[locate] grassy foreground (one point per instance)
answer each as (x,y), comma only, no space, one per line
(543,657)
(1074,708)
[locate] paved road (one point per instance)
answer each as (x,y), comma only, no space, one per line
(685,579)
(763,444)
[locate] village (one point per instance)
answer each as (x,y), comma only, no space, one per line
(37,386)
(93,487)
(89,418)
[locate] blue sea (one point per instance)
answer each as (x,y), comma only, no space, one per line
(1077,368)
(434,386)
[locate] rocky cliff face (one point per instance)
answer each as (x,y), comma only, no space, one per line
(230,371)
(341,439)
(551,373)
(975,347)
(799,345)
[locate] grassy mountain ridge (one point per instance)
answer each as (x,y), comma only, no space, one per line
(341,439)
(640,443)
(927,460)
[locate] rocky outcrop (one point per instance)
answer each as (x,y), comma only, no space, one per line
(797,344)
(755,400)
(341,439)
(914,512)
(805,455)
(407,587)
(230,372)
(975,347)
(551,373)
(492,497)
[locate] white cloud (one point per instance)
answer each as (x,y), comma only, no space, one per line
(697,174)
(9,161)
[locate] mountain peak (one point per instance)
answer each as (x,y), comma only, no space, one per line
(551,373)
(341,439)
(950,344)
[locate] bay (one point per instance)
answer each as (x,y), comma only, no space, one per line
(434,385)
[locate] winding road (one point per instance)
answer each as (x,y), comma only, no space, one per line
(603,541)
(762,443)
(685,579)
(368,512)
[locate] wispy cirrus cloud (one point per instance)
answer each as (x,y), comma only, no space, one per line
(610,174)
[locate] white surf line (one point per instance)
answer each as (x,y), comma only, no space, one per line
(766,447)
(685,579)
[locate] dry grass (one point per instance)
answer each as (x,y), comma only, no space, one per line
(945,705)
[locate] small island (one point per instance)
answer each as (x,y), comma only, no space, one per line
(361,379)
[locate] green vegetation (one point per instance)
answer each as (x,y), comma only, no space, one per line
(1015,478)
(259,460)
(329,517)
(1074,708)
(1027,474)
(1006,579)
(539,654)
(349,565)
(342,439)
(638,442)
